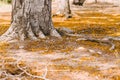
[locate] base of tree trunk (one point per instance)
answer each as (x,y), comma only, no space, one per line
(31,19)
(13,37)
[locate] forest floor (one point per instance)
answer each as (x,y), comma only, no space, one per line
(66,59)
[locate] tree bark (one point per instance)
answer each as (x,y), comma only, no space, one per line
(30,19)
(64,8)
(78,2)
(96,1)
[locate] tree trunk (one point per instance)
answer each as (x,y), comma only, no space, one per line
(96,1)
(64,8)
(30,19)
(78,2)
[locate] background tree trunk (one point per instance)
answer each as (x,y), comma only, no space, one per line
(78,2)
(96,1)
(30,19)
(64,8)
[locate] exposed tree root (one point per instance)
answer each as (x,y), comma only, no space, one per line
(99,41)
(13,36)
(7,38)
(105,40)
(57,33)
(114,38)
(54,33)
(33,76)
(23,70)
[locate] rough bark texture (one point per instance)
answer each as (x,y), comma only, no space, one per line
(30,19)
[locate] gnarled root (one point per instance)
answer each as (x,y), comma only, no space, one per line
(54,33)
(21,35)
(105,40)
(99,41)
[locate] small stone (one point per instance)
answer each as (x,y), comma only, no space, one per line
(80,48)
(99,52)
(21,47)
(91,51)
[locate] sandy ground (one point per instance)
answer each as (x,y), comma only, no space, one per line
(79,64)
(5,8)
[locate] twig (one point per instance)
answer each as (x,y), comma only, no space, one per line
(46,72)
(34,76)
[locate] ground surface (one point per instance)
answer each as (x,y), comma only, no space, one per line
(66,59)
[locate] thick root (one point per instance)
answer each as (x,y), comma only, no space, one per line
(41,35)
(9,39)
(22,35)
(106,40)
(54,33)
(99,41)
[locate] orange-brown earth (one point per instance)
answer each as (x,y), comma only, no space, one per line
(68,59)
